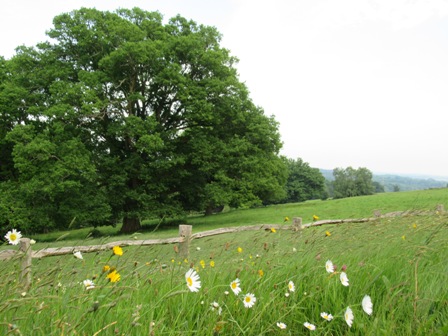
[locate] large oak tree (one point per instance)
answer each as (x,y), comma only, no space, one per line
(123,116)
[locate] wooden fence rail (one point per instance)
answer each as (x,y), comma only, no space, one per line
(26,253)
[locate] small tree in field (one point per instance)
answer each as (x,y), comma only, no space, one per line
(351,182)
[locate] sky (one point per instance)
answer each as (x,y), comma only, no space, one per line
(352,83)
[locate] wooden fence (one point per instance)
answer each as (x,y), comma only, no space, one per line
(26,254)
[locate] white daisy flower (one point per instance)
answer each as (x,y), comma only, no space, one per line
(291,286)
(281,325)
(309,326)
(13,237)
(349,316)
(88,284)
(326,316)
(192,279)
(215,306)
(235,286)
(367,304)
(249,300)
(78,255)
(344,279)
(329,266)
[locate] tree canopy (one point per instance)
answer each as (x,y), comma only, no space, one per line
(123,117)
(351,182)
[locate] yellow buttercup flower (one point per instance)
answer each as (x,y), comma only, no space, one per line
(117,250)
(212,263)
(315,217)
(106,268)
(286,219)
(114,276)
(260,273)
(202,262)
(273,230)
(239,249)
(327,233)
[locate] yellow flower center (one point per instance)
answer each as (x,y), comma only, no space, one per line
(234,285)
(247,299)
(12,237)
(189,282)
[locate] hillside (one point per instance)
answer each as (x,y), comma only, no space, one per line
(404,183)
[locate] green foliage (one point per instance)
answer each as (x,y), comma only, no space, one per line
(304,182)
(124,117)
(399,262)
(351,182)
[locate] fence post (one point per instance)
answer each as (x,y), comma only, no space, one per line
(25,276)
(297,224)
(184,245)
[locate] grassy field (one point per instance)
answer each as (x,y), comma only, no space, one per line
(399,262)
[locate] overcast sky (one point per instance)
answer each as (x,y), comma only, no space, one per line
(358,83)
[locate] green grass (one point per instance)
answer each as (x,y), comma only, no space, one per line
(400,262)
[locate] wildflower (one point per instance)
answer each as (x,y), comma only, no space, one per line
(78,255)
(13,237)
(294,249)
(212,263)
(367,305)
(226,292)
(260,273)
(239,249)
(106,268)
(327,233)
(88,284)
(249,300)
(403,237)
(326,316)
(315,218)
(117,250)
(291,286)
(281,325)
(198,248)
(114,276)
(172,260)
(273,230)
(414,226)
(32,242)
(309,326)
(344,268)
(192,279)
(329,266)
(287,294)
(215,306)
(202,262)
(349,316)
(286,219)
(235,286)
(344,279)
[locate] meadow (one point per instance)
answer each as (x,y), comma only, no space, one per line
(285,281)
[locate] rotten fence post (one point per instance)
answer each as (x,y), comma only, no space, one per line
(184,245)
(297,224)
(25,276)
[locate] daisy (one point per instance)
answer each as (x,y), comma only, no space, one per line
(281,325)
(88,284)
(249,300)
(291,286)
(367,304)
(326,316)
(78,255)
(309,326)
(349,317)
(344,279)
(192,279)
(215,306)
(235,286)
(13,237)
(329,266)
(117,250)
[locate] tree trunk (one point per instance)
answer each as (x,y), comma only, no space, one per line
(130,225)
